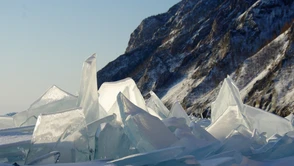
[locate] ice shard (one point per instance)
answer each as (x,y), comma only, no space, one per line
(266,122)
(239,140)
(115,109)
(192,141)
(178,111)
(189,141)
(253,118)
(156,104)
(173,123)
(65,132)
(88,97)
(228,121)
(113,143)
(258,139)
(185,135)
(201,133)
(154,113)
(95,127)
(109,91)
(21,118)
(53,94)
(52,101)
(228,96)
(145,131)
(203,122)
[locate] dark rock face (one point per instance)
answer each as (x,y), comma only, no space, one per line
(185,53)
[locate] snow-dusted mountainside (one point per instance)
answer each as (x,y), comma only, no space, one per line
(185,53)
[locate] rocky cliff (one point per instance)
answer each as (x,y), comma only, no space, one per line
(185,53)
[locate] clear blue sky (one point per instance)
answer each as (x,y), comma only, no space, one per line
(45,42)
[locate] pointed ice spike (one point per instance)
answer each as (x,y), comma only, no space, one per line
(65,132)
(156,104)
(126,107)
(228,96)
(145,131)
(115,110)
(53,94)
(88,97)
(53,100)
(178,111)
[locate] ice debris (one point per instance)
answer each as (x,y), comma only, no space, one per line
(156,104)
(115,126)
(65,132)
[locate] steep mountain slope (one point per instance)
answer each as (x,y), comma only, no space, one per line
(185,53)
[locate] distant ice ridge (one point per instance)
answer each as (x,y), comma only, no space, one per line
(116,126)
